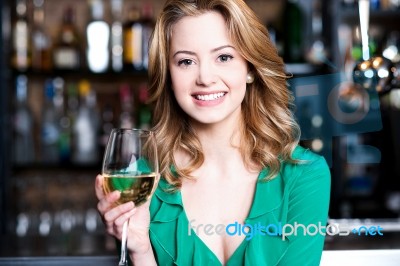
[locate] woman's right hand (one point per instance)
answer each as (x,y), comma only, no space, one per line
(114,217)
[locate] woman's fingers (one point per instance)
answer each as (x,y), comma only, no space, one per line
(119,222)
(118,211)
(99,187)
(115,218)
(108,201)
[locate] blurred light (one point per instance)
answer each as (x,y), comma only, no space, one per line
(364,65)
(390,52)
(369,73)
(317,121)
(383,73)
(22,224)
(91,220)
(45,223)
(395,98)
(317,145)
(377,62)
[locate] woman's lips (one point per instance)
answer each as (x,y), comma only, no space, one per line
(209,97)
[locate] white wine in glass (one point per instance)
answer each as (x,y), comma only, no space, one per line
(130,165)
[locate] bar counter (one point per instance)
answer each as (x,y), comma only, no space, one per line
(60,261)
(100,249)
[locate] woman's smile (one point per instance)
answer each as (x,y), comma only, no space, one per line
(208,98)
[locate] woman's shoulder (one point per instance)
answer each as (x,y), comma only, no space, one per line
(309,166)
(301,153)
(307,159)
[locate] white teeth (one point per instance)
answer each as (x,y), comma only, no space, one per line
(209,97)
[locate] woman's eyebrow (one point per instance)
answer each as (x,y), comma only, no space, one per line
(193,53)
(222,47)
(183,52)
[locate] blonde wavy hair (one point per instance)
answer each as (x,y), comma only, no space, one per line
(269,130)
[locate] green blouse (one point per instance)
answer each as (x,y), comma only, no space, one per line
(300,193)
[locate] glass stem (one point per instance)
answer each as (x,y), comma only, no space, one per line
(122,260)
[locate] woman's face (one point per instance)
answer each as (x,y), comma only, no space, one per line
(208,73)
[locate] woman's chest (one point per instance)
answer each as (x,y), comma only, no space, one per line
(211,207)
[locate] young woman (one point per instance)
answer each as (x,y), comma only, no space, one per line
(232,171)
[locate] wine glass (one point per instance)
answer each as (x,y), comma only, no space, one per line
(130,165)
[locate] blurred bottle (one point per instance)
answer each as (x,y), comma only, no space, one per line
(126,118)
(116,35)
(361,167)
(41,43)
(349,3)
(107,116)
(50,131)
(394,4)
(98,39)
(375,4)
(58,99)
(317,54)
(356,51)
(24,152)
(72,113)
(391,48)
(144,110)
(148,27)
(385,4)
(275,36)
(133,36)
(66,53)
(293,38)
(86,127)
(21,57)
(64,142)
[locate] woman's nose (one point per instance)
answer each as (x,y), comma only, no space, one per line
(206,75)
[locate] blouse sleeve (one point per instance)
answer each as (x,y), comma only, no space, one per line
(308,206)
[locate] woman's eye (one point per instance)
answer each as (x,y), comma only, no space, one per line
(224,58)
(185,62)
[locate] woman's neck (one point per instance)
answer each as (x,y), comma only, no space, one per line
(219,140)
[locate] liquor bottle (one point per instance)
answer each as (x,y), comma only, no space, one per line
(72,112)
(64,142)
(41,43)
(98,39)
(116,36)
(133,34)
(144,110)
(148,27)
(126,117)
(50,130)
(107,116)
(86,127)
(317,53)
(375,4)
(21,57)
(67,53)
(24,152)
